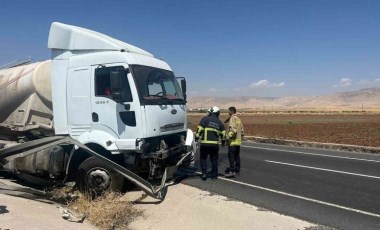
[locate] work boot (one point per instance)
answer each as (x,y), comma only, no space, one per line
(204,177)
(230,175)
(214,178)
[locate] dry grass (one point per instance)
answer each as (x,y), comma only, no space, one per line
(108,211)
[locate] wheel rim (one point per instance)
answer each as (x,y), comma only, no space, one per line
(98,179)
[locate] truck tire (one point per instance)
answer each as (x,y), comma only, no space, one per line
(95,177)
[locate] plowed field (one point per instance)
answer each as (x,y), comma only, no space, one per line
(363,129)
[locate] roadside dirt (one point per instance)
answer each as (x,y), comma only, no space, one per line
(20,213)
(184,208)
(189,208)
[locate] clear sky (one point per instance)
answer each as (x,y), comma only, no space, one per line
(226,48)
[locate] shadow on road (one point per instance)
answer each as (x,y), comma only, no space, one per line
(3,209)
(185,174)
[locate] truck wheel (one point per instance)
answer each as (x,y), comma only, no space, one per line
(95,177)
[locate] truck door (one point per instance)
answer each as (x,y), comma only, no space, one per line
(78,98)
(122,118)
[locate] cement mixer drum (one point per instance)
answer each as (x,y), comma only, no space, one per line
(25,97)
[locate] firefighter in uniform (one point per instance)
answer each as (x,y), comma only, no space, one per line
(234,135)
(210,129)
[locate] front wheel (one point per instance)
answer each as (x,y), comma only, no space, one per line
(96,177)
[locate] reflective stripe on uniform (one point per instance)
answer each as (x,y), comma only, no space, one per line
(199,130)
(235,142)
(210,142)
(205,139)
(212,129)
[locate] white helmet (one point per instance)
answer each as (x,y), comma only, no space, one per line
(213,109)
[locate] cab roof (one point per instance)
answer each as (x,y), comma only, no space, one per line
(68,37)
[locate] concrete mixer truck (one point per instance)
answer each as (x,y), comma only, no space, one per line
(101,112)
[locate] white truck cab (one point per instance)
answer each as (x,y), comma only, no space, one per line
(115,98)
(112,93)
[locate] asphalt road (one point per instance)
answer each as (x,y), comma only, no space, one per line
(333,188)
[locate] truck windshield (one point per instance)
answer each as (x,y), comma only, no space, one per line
(156,85)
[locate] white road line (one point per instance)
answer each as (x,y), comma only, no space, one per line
(300,197)
(303,198)
(313,154)
(323,169)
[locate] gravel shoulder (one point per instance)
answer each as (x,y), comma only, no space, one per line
(188,208)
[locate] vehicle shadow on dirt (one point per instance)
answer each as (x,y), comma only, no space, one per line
(20,188)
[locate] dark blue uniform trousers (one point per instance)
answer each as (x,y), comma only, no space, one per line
(213,151)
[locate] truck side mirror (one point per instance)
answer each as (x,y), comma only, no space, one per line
(183,86)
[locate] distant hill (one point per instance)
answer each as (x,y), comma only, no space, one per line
(368,98)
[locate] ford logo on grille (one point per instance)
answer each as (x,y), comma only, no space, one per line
(174,111)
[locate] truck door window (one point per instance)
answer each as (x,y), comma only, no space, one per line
(103,85)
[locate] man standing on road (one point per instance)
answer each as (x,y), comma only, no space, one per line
(234,135)
(210,129)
